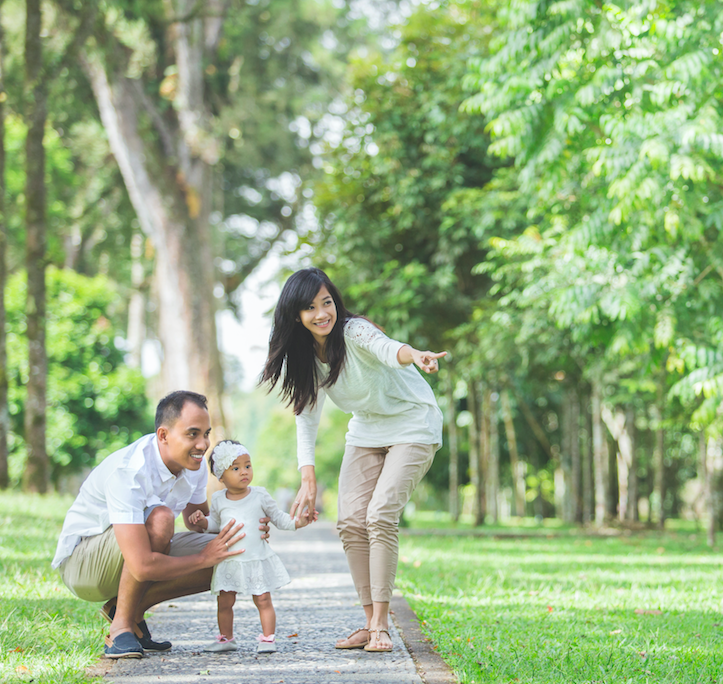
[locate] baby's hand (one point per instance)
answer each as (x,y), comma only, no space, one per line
(304,519)
(196,517)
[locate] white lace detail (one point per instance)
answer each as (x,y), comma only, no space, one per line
(362,331)
(249,577)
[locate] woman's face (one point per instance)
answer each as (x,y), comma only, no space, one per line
(320,316)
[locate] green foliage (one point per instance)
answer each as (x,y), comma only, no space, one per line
(96,403)
(610,114)
(406,161)
(568,609)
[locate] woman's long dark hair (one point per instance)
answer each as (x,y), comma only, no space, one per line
(291,348)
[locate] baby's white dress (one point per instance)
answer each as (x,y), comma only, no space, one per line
(258,569)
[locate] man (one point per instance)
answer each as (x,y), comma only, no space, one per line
(118,543)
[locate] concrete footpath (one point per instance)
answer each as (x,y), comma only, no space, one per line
(319,606)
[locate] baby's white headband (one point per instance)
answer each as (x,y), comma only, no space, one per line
(224,454)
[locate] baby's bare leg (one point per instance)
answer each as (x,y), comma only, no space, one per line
(266,613)
(226,599)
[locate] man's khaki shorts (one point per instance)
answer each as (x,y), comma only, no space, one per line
(93,570)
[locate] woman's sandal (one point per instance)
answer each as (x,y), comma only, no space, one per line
(376,649)
(360,644)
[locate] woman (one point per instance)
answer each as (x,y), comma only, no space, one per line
(321,348)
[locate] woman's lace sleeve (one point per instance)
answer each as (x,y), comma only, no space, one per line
(365,335)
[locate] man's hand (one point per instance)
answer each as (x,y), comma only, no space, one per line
(218,549)
(306,496)
(264,527)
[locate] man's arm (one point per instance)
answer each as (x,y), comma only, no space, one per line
(147,565)
(192,508)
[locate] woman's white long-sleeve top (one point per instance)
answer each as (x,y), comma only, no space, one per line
(390,403)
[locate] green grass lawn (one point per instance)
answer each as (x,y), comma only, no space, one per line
(554,607)
(639,608)
(47,636)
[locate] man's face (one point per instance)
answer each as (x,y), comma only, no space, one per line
(183,444)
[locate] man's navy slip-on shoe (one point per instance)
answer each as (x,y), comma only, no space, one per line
(145,640)
(125,645)
(148,643)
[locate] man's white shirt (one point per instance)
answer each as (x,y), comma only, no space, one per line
(122,487)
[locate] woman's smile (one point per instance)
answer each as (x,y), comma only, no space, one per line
(320,316)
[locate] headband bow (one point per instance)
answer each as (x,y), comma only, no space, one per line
(225,454)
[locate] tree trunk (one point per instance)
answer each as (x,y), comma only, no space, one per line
(599,453)
(569,434)
(484,452)
(478,512)
(659,460)
(633,514)
(492,479)
(168,183)
(713,467)
(536,428)
(35,476)
(588,496)
(453,450)
(575,456)
(517,467)
(137,305)
(617,424)
(4,413)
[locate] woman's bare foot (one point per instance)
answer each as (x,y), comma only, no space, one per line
(359,638)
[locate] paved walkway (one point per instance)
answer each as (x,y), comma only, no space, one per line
(318,607)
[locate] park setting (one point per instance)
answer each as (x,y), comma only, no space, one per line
(530,193)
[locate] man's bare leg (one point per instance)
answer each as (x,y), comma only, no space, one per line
(158,592)
(160,527)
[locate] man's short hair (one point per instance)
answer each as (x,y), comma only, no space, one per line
(169,408)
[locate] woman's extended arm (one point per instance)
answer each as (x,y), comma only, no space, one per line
(306,496)
(426,360)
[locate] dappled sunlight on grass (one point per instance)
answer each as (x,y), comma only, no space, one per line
(643,609)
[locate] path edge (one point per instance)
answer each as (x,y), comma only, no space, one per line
(430,666)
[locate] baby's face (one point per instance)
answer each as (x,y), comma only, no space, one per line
(238,476)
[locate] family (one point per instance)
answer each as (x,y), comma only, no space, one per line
(119,546)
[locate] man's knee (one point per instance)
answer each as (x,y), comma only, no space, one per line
(160,525)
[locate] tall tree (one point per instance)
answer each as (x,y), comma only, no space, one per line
(453,447)
(169,183)
(516,466)
(492,475)
(4,413)
(35,477)
(475,429)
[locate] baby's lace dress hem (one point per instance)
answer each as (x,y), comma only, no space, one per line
(249,577)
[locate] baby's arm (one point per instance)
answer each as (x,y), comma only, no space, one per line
(281,519)
(198,518)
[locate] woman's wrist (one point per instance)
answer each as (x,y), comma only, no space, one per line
(308,473)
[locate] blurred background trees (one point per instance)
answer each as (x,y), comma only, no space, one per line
(533,187)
